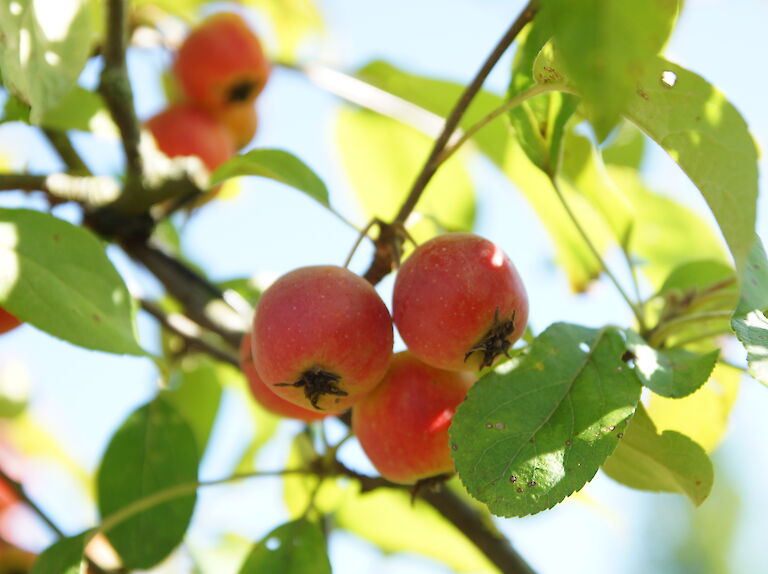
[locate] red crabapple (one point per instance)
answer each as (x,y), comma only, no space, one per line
(185,130)
(8,322)
(221,62)
(265,396)
(459,302)
(402,425)
(322,337)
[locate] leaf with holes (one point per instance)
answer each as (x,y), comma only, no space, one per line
(672,373)
(525,439)
(749,321)
(606,46)
(154,450)
(57,277)
(65,556)
(660,462)
(296,547)
(277,165)
(703,132)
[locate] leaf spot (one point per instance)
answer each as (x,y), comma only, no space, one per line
(513,478)
(620,435)
(532,483)
(500,426)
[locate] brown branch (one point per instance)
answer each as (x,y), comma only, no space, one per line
(115,87)
(24,498)
(385,256)
(472,524)
(479,531)
(202,301)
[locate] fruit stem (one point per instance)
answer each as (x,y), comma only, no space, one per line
(383,260)
(585,236)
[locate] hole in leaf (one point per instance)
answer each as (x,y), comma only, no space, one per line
(273,543)
(668,79)
(584,347)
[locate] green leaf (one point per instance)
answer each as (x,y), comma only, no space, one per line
(296,547)
(154,450)
(293,21)
(57,277)
(626,147)
(382,158)
(439,97)
(703,415)
(673,373)
(709,140)
(665,233)
(539,123)
(666,462)
(749,321)
(695,276)
(583,169)
(524,440)
(78,110)
(606,46)
(65,556)
(196,394)
(703,133)
(43,48)
(405,525)
(274,164)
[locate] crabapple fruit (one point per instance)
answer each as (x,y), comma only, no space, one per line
(459,303)
(221,62)
(402,425)
(322,337)
(241,120)
(185,130)
(8,322)
(265,396)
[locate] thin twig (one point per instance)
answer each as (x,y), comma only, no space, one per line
(18,489)
(385,256)
(61,143)
(202,301)
(585,236)
(188,330)
(663,331)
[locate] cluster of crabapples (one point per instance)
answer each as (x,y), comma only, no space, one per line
(219,70)
(322,339)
